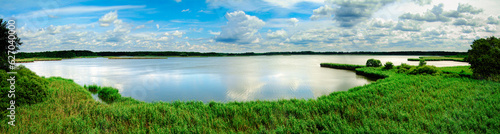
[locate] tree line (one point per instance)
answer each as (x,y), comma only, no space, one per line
(80,53)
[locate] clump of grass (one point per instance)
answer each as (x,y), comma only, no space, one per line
(341,66)
(92,88)
(388,65)
(109,94)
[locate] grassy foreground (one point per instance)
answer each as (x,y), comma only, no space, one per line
(399,103)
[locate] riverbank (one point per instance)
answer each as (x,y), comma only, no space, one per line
(400,103)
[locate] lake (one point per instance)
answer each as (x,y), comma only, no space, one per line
(220,79)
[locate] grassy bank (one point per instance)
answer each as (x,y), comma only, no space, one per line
(438,59)
(28,60)
(341,66)
(400,103)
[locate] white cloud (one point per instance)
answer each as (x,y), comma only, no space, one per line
(178,33)
(140,26)
(435,14)
(409,25)
(185,10)
(213,33)
(74,10)
(280,34)
(240,28)
(290,3)
(493,20)
(466,8)
(178,1)
(322,12)
(105,20)
(293,21)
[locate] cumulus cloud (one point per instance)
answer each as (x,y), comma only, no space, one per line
(466,22)
(293,21)
(409,25)
(185,10)
(108,18)
(435,14)
(322,12)
(492,20)
(279,34)
(348,12)
(466,8)
(178,33)
(240,28)
(381,23)
(491,29)
(213,33)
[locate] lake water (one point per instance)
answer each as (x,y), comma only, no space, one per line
(218,78)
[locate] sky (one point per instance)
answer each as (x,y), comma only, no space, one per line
(252,25)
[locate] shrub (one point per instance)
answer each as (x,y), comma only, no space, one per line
(373,63)
(423,70)
(484,57)
(422,62)
(388,65)
(404,68)
(92,88)
(109,94)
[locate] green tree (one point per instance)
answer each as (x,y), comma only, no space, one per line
(4,44)
(373,63)
(484,58)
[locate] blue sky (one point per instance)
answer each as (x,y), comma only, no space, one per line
(252,25)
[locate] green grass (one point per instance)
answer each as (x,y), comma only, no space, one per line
(399,103)
(27,60)
(437,59)
(341,66)
(137,57)
(460,70)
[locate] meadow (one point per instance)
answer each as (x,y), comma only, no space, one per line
(399,103)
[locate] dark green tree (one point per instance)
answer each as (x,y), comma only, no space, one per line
(4,44)
(484,58)
(373,63)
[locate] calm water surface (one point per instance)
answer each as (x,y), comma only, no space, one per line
(218,78)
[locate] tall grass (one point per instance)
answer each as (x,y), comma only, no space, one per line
(341,66)
(399,103)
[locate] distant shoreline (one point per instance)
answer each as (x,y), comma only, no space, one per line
(86,53)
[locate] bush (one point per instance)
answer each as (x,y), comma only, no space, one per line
(404,68)
(388,65)
(92,88)
(109,94)
(373,63)
(29,88)
(484,57)
(423,70)
(422,62)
